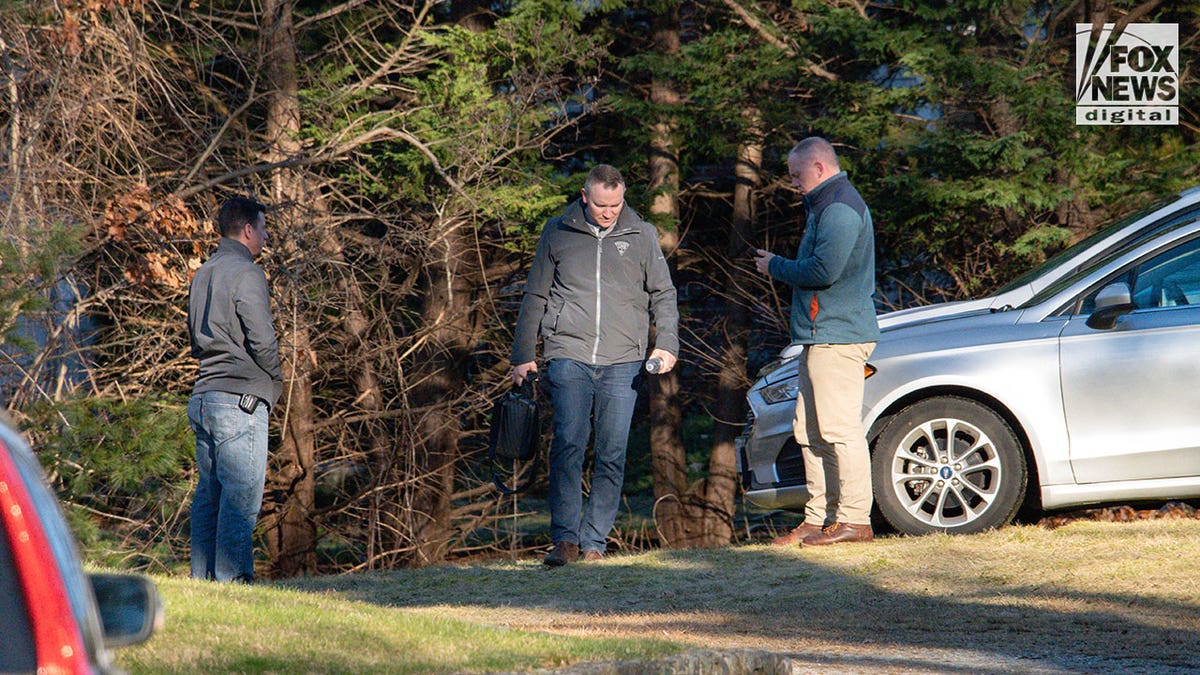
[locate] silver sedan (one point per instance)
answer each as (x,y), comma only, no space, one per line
(1088,392)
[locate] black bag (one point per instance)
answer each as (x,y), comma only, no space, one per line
(515,436)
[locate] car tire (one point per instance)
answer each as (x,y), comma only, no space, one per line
(920,488)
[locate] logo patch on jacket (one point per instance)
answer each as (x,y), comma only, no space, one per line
(622,246)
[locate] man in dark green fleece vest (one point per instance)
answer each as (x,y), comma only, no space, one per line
(833,317)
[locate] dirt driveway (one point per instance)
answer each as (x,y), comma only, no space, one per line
(1084,598)
(1087,597)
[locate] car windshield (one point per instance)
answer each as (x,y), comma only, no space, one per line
(1100,261)
(1065,256)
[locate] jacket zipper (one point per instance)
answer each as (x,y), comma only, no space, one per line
(596,343)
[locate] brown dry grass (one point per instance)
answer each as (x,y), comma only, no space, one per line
(1084,597)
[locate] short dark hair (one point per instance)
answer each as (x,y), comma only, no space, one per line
(236,213)
(603,174)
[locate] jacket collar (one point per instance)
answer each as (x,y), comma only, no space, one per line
(824,189)
(574,218)
(235,247)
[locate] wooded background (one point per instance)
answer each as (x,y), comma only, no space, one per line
(411,151)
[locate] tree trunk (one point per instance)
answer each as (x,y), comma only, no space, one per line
(720,489)
(290,531)
(417,526)
(667,453)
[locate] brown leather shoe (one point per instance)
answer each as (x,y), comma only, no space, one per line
(564,552)
(797,535)
(592,556)
(840,532)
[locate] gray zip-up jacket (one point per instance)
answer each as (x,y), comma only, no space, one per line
(231,327)
(591,297)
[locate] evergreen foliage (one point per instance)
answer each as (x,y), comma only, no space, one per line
(433,142)
(125,470)
(995,175)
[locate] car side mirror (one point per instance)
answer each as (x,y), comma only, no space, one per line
(130,608)
(1112,302)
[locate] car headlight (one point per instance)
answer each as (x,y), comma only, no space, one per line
(787,390)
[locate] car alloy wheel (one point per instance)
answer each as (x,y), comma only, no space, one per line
(948,464)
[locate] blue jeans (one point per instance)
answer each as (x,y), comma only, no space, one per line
(231,458)
(589,399)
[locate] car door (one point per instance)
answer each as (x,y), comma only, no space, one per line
(1131,393)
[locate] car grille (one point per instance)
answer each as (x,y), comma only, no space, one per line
(789,466)
(739,444)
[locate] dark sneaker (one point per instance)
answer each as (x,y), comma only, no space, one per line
(564,552)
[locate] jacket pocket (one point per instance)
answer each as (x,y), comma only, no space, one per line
(550,318)
(569,321)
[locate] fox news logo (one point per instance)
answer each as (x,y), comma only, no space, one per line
(1129,77)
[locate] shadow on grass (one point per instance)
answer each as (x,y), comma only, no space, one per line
(790,601)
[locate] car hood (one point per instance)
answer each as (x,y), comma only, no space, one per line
(777,370)
(1004,300)
(966,329)
(940,321)
(924,312)
(944,330)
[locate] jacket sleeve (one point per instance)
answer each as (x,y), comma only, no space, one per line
(253,307)
(836,233)
(533,302)
(663,298)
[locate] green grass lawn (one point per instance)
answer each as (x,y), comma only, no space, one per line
(222,628)
(1086,597)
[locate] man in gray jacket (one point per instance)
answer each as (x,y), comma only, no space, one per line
(233,336)
(597,277)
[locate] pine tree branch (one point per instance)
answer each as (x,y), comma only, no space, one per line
(786,47)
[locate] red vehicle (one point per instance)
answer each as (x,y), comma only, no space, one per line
(55,619)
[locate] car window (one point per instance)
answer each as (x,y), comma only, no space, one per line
(1067,255)
(1169,279)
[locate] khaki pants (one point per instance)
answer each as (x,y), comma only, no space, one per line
(828,427)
